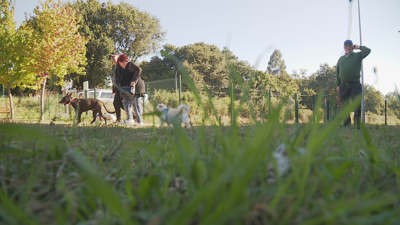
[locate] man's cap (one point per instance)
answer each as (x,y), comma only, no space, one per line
(348,42)
(114,54)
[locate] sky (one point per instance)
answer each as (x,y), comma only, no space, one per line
(308,33)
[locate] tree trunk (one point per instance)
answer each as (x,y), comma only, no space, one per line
(42,100)
(11,102)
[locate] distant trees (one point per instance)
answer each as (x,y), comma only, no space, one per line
(374,101)
(277,68)
(11,56)
(393,103)
(276,64)
(208,61)
(54,46)
(206,64)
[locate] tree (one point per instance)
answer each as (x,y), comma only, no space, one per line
(55,47)
(276,65)
(140,32)
(206,64)
(157,69)
(263,81)
(373,100)
(326,79)
(242,68)
(11,57)
(111,28)
(208,61)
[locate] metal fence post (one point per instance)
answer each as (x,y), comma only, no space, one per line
(269,102)
(385,112)
(296,110)
(327,108)
(313,103)
(180,89)
(85,97)
(313,108)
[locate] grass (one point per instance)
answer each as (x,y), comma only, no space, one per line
(266,172)
(64,174)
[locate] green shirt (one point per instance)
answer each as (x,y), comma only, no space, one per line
(349,66)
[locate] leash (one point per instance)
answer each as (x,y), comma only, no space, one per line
(71,100)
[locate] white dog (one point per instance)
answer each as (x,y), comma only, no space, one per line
(181,113)
(109,116)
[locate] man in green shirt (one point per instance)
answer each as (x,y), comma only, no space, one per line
(348,76)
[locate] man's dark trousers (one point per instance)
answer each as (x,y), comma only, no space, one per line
(117,105)
(351,91)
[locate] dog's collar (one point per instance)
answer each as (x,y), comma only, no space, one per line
(71,101)
(166,114)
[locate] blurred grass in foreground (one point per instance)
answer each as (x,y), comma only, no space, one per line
(206,175)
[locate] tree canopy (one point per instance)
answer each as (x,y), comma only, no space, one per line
(109,27)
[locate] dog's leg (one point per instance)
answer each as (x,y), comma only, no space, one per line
(186,121)
(94,116)
(79,117)
(103,116)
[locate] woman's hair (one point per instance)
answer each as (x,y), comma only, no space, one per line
(123,58)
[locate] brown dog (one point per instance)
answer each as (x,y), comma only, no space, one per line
(84,104)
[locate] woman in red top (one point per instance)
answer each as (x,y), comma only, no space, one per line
(131,78)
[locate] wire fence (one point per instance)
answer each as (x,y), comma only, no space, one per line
(29,107)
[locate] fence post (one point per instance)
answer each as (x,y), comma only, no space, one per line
(180,89)
(269,102)
(385,112)
(95,93)
(327,107)
(296,110)
(313,108)
(313,103)
(85,97)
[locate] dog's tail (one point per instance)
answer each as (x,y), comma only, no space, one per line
(107,109)
(184,108)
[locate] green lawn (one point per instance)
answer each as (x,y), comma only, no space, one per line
(63,174)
